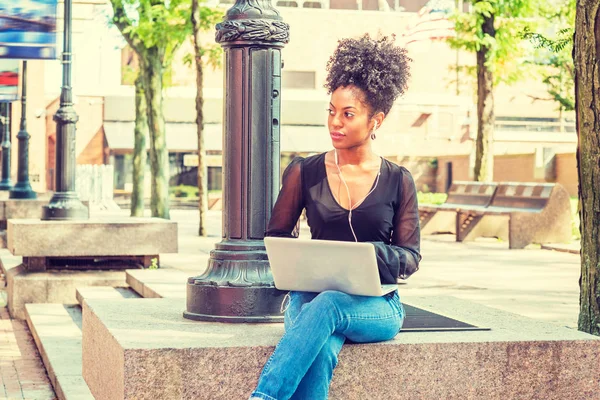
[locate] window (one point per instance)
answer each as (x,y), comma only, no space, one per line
(123,171)
(312,4)
(215,178)
(285,3)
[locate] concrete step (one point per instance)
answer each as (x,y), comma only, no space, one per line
(8,261)
(103,292)
(53,286)
(158,283)
(56,329)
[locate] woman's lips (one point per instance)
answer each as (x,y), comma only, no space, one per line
(337,135)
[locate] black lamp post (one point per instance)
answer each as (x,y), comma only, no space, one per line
(5,182)
(238,285)
(22,189)
(65,204)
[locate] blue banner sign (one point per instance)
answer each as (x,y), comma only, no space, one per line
(28,29)
(9,80)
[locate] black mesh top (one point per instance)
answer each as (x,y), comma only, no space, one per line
(388,217)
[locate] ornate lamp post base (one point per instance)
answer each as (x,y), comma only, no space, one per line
(22,190)
(237,286)
(64,206)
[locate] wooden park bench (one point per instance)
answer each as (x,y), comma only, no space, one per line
(442,217)
(522,213)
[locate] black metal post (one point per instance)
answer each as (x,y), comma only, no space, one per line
(449,178)
(238,285)
(65,204)
(5,182)
(22,189)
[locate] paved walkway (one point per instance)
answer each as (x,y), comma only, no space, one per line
(536,283)
(22,374)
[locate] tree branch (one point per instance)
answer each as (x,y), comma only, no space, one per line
(122,22)
(536,98)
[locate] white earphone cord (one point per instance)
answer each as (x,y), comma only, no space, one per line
(350,207)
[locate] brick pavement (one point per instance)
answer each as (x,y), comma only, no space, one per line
(22,374)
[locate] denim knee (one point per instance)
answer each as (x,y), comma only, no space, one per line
(333,297)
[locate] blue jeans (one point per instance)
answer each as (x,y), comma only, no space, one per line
(316,326)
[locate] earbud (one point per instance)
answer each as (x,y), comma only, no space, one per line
(350,207)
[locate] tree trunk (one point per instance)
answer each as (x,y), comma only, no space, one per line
(586,57)
(159,154)
(139,150)
(484,151)
(202,182)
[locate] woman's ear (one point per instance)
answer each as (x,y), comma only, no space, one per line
(378,120)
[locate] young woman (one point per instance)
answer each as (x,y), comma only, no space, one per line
(349,194)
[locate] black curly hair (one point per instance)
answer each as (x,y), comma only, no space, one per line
(376,66)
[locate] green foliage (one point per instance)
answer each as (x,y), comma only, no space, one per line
(159,24)
(183,191)
(209,16)
(506,50)
(564,40)
(204,19)
(552,55)
(431,198)
(211,54)
(163,25)
(128,75)
(153,263)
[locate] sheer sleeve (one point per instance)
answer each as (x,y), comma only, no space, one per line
(289,204)
(401,258)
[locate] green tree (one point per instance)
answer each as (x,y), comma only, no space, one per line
(586,58)
(203,19)
(154,29)
(553,55)
(139,149)
(492,31)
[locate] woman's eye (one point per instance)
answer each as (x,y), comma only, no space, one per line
(330,111)
(349,115)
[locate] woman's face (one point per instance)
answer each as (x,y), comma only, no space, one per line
(349,123)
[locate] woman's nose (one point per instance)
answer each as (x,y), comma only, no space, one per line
(335,121)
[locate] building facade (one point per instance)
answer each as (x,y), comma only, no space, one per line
(433,125)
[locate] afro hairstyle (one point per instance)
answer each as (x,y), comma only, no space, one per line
(376,66)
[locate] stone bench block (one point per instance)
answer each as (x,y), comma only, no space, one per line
(23,208)
(145,349)
(52,286)
(118,237)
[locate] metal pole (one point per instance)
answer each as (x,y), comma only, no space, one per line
(238,285)
(5,183)
(449,178)
(65,204)
(22,189)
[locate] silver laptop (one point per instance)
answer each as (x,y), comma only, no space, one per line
(319,265)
